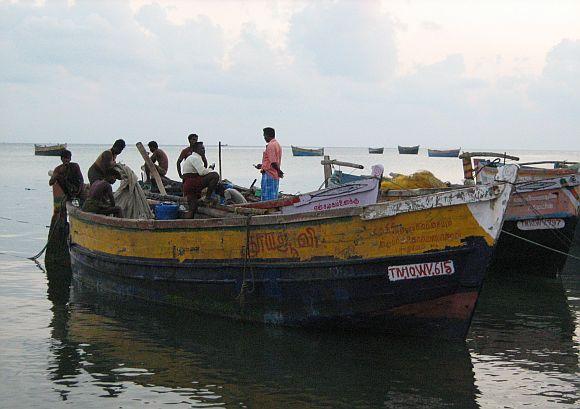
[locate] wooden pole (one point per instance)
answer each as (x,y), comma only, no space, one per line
(152,169)
(220,158)
(327,169)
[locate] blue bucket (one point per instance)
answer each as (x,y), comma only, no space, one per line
(166,211)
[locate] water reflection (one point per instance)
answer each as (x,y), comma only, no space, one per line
(65,365)
(521,349)
(522,337)
(162,355)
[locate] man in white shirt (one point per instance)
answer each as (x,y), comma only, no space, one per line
(196,177)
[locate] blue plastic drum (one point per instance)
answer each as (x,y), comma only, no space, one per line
(166,211)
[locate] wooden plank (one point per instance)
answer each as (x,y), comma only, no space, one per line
(487,154)
(327,161)
(152,169)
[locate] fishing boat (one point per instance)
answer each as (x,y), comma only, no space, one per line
(297,151)
(378,151)
(49,150)
(408,150)
(449,153)
(413,266)
(541,217)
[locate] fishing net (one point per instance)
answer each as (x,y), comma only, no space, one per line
(418,180)
(130,196)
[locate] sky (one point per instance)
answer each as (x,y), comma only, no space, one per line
(447,73)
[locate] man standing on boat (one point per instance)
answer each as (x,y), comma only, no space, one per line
(192,138)
(159,158)
(196,177)
(270,166)
(104,164)
(68,175)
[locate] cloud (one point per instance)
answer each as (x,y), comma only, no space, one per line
(431,26)
(347,39)
(98,69)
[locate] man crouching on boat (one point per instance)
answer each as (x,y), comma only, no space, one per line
(100,199)
(196,177)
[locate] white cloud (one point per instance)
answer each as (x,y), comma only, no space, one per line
(348,39)
(96,70)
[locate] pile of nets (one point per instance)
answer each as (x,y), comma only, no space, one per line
(130,196)
(419,180)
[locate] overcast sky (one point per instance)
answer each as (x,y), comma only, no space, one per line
(445,73)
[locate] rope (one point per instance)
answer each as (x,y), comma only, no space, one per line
(16,220)
(62,213)
(241,297)
(541,245)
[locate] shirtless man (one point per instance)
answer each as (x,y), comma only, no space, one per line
(104,164)
(159,158)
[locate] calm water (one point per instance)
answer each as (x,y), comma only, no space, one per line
(68,347)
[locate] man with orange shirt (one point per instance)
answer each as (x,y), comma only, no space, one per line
(270,166)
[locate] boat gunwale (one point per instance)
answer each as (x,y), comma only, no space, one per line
(487,192)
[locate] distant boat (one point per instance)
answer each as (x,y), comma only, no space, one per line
(49,150)
(297,151)
(376,150)
(449,153)
(408,150)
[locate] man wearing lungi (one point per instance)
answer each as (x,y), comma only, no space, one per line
(270,166)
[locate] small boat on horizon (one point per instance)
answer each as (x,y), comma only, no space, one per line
(297,151)
(408,150)
(445,153)
(378,151)
(49,149)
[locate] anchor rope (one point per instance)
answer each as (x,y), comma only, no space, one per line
(541,245)
(247,260)
(60,218)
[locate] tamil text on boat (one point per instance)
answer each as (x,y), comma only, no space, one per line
(541,217)
(411,266)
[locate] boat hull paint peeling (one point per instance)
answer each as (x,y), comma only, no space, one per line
(417,270)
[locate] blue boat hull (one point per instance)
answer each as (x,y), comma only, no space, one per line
(348,295)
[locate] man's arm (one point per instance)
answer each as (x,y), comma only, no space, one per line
(56,176)
(179,160)
(108,161)
(277,169)
(79,175)
(109,196)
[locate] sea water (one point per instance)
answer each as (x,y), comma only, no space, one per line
(61,346)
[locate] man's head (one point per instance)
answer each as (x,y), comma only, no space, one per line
(118,146)
(65,156)
(112,176)
(153,146)
(199,148)
(269,134)
(192,138)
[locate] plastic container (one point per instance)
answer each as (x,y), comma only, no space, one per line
(167,211)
